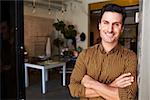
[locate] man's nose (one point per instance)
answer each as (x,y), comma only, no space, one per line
(110,28)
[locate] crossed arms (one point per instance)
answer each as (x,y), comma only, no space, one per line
(110,91)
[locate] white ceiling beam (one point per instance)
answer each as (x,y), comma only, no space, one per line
(95,1)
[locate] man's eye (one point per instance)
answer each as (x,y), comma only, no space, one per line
(105,22)
(117,24)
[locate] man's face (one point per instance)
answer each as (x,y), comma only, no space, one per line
(110,27)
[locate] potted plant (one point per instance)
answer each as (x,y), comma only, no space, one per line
(59,25)
(68,32)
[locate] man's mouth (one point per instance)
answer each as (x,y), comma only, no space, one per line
(110,35)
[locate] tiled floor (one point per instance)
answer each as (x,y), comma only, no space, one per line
(55,90)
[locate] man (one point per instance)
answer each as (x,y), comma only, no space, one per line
(106,71)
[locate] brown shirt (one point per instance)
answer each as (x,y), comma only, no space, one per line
(105,68)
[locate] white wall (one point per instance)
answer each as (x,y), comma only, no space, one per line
(78,16)
(144,51)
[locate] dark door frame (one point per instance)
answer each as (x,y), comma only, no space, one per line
(19,28)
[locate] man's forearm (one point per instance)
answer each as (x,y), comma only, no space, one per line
(104,90)
(107,92)
(90,93)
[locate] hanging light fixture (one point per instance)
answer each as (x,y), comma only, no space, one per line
(62,8)
(49,8)
(33,5)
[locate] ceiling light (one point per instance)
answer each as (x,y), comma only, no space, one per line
(33,6)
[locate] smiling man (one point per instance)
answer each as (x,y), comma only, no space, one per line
(106,71)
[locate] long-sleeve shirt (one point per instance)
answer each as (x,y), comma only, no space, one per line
(105,68)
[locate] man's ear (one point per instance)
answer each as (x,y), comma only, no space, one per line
(122,29)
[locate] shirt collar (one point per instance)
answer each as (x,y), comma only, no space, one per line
(115,49)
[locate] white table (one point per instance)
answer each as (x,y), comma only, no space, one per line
(44,69)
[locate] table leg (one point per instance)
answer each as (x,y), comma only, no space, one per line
(26,77)
(64,75)
(43,81)
(46,75)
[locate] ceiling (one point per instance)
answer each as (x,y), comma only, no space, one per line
(52,4)
(93,4)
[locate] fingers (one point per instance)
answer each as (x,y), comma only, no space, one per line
(123,75)
(85,79)
(123,80)
(124,85)
(127,81)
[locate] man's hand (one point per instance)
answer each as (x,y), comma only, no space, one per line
(122,81)
(87,81)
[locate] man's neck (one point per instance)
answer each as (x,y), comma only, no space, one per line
(109,46)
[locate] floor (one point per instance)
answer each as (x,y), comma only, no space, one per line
(55,90)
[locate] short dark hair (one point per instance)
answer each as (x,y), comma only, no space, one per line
(114,8)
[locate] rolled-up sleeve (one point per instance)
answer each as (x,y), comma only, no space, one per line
(129,93)
(75,86)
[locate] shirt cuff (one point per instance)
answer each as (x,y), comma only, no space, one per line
(81,91)
(122,94)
